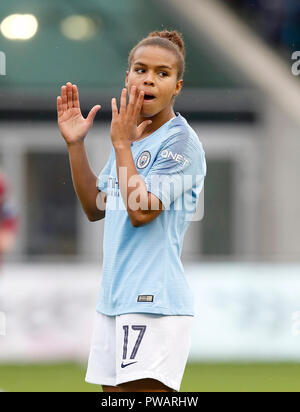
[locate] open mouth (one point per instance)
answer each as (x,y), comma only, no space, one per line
(148,97)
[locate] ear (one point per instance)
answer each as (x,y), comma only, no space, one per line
(178,88)
(126,79)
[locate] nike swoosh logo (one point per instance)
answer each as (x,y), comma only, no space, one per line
(123,365)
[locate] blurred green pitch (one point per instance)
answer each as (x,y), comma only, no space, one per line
(198,377)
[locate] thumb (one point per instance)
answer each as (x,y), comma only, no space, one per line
(143,126)
(93,113)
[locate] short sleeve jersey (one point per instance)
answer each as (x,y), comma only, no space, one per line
(142,271)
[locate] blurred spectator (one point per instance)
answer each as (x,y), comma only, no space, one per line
(8,218)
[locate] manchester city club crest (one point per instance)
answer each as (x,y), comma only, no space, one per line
(143,160)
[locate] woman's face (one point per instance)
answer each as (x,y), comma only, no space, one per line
(154,71)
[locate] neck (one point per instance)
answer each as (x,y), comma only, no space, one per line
(157,121)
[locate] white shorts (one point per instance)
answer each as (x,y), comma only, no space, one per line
(134,346)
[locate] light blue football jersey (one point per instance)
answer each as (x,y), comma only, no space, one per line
(142,271)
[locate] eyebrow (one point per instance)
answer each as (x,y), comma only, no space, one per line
(159,67)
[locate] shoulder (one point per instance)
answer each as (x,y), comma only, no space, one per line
(182,136)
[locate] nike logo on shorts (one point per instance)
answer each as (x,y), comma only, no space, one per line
(123,365)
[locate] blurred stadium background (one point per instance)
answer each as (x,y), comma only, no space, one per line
(242,259)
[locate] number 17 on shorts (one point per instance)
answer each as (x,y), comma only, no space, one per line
(141,331)
(152,346)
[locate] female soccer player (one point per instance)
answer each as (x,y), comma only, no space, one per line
(147,192)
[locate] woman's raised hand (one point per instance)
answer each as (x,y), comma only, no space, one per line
(124,127)
(72,125)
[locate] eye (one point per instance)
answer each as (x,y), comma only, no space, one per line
(137,70)
(163,74)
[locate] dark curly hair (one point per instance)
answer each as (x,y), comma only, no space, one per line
(170,40)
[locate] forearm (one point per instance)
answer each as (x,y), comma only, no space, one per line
(84,181)
(132,186)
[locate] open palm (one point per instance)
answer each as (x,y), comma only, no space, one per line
(72,125)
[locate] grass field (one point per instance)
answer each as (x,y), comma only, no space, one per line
(204,377)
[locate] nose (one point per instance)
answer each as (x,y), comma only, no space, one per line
(149,79)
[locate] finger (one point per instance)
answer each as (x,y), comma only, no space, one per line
(93,113)
(139,103)
(123,101)
(64,98)
(69,95)
(132,99)
(114,107)
(75,96)
(141,128)
(59,106)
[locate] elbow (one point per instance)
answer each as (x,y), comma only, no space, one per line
(96,217)
(136,223)
(92,219)
(141,219)
(137,220)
